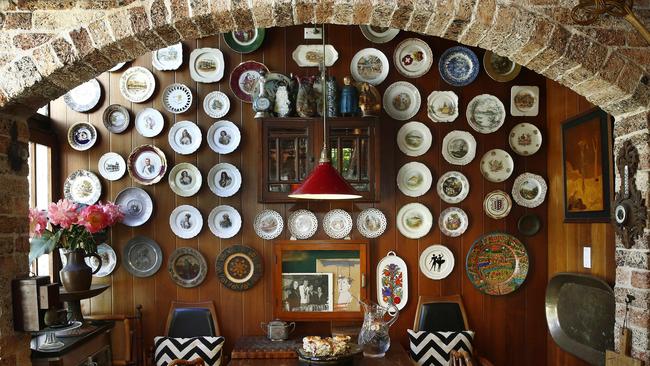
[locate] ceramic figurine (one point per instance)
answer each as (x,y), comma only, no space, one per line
(261,102)
(282,107)
(349,102)
(306,98)
(369,100)
(332,102)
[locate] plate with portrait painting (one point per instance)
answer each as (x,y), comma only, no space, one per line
(147,164)
(369,65)
(224,179)
(239,267)
(185,179)
(485,113)
(223,137)
(142,256)
(401,100)
(136,205)
(82,136)
(224,221)
(245,41)
(268,224)
(243,79)
(452,187)
(436,262)
(187,267)
(185,137)
(149,122)
(186,221)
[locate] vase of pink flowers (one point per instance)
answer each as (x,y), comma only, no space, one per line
(73,227)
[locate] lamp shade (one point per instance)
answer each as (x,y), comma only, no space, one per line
(325,183)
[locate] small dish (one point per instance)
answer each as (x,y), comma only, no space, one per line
(500,68)
(186,221)
(239,267)
(414,220)
(224,221)
(369,65)
(109,260)
(168,58)
(187,267)
(147,164)
(82,187)
(485,113)
(414,179)
(111,166)
(82,136)
(149,122)
(117,67)
(401,100)
(452,187)
(206,65)
(223,137)
(371,223)
(137,84)
(224,179)
(442,106)
(84,97)
(337,224)
(376,34)
(524,101)
(414,138)
(142,257)
(185,179)
(525,139)
(497,204)
(245,41)
(268,224)
(453,222)
(529,224)
(136,205)
(497,165)
(177,98)
(216,104)
(116,118)
(185,137)
(458,66)
(302,224)
(436,262)
(459,147)
(243,79)
(311,55)
(529,190)
(413,57)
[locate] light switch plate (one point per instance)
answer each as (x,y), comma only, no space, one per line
(313,33)
(586,257)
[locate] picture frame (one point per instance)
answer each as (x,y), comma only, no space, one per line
(586,165)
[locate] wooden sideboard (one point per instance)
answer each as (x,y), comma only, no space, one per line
(78,351)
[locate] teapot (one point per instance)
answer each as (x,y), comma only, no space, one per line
(277,330)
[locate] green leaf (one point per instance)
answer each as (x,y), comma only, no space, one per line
(43,244)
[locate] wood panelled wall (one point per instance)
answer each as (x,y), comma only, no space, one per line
(566,240)
(510,330)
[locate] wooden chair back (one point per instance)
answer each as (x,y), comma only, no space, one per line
(445,313)
(132,336)
(209,305)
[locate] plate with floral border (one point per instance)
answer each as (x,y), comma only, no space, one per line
(452,187)
(216,104)
(414,138)
(453,221)
(111,166)
(224,221)
(414,220)
(84,97)
(168,58)
(245,41)
(147,164)
(224,179)
(223,137)
(82,136)
(369,65)
(149,122)
(136,204)
(497,165)
(485,113)
(82,186)
(116,118)
(392,281)
(458,66)
(302,224)
(376,34)
(525,139)
(185,137)
(239,267)
(187,267)
(459,147)
(414,179)
(185,179)
(442,106)
(500,68)
(401,100)
(206,65)
(243,79)
(268,224)
(529,190)
(497,204)
(186,221)
(413,57)
(177,98)
(337,224)
(436,262)
(137,84)
(371,223)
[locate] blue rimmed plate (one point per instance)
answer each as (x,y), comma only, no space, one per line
(458,66)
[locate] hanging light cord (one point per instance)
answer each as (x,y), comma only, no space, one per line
(324,156)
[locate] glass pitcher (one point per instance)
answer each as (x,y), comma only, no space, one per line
(374,338)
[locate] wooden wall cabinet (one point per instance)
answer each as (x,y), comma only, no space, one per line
(290,148)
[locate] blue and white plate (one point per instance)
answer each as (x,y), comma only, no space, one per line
(458,66)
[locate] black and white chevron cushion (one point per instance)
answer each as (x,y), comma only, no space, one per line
(169,349)
(433,348)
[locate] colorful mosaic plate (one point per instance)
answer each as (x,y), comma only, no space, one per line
(392,281)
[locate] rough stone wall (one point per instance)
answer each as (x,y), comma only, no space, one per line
(14,243)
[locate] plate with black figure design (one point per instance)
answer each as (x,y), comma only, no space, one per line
(239,267)
(436,262)
(187,267)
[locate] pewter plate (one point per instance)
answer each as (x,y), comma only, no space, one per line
(187,267)
(136,204)
(142,256)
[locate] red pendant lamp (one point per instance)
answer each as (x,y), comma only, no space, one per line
(325,182)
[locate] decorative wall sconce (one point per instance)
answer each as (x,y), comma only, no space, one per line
(630,211)
(588,11)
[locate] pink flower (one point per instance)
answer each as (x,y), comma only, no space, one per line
(37,221)
(94,218)
(63,213)
(113,212)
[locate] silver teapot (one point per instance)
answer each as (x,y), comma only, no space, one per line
(277,330)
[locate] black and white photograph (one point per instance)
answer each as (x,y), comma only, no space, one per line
(307,292)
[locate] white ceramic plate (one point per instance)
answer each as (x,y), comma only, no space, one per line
(413,57)
(337,224)
(216,104)
(459,147)
(525,139)
(82,187)
(377,34)
(302,224)
(223,137)
(414,179)
(442,106)
(436,262)
(524,100)
(414,220)
(224,179)
(149,122)
(414,138)
(117,67)
(529,190)
(111,166)
(177,98)
(147,164)
(453,222)
(185,137)
(453,187)
(116,118)
(206,65)
(168,58)
(497,165)
(137,84)
(392,281)
(136,204)
(224,221)
(268,224)
(311,55)
(371,223)
(185,179)
(401,100)
(84,97)
(186,221)
(109,260)
(485,113)
(369,65)
(82,136)
(497,204)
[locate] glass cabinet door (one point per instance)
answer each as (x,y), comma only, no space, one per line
(288,157)
(350,154)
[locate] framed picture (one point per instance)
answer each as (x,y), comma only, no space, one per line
(586,161)
(307,292)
